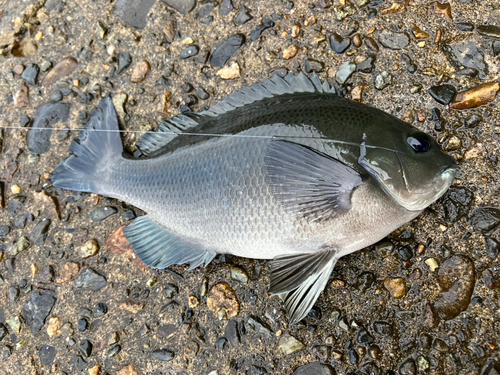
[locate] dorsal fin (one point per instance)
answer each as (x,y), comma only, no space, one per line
(268,88)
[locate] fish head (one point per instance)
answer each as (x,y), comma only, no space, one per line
(408,164)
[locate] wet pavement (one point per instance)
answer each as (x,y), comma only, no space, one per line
(74,298)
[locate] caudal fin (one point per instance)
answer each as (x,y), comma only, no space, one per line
(97,146)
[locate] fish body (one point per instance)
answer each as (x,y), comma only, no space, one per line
(284,170)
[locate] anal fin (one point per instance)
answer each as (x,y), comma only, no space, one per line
(158,247)
(301,278)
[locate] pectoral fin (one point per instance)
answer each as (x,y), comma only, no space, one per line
(309,182)
(301,278)
(158,247)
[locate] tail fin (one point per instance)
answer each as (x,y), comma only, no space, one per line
(96,147)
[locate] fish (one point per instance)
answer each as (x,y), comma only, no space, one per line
(284,169)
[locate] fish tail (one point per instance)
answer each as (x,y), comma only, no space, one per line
(97,147)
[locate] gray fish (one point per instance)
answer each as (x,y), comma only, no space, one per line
(284,170)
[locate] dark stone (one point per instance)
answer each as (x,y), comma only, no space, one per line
(227,49)
(221,343)
(3,331)
(47,354)
(440,345)
(405,253)
(243,16)
(466,72)
(485,218)
(202,94)
(56,96)
(31,73)
(114,351)
(86,97)
(40,232)
(170,291)
(4,230)
(124,61)
(10,265)
(163,354)
(466,53)
(190,51)
(83,115)
(367,65)
(169,307)
(339,44)
(456,279)
(382,328)
(182,6)
(79,364)
(457,202)
(232,334)
(473,121)
(364,282)
(129,214)
(495,46)
(489,30)
(87,313)
(225,7)
(86,348)
(191,100)
(133,12)
(393,40)
(100,310)
(443,94)
(90,279)
(47,115)
(25,120)
(82,324)
(353,356)
(363,337)
(15,204)
(314,66)
(256,370)
(371,44)
(36,310)
(257,325)
(464,26)
(101,213)
(46,275)
(492,247)
(187,87)
(13,293)
(315,368)
(266,24)
(408,367)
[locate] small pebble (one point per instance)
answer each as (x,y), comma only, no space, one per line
(288,345)
(90,248)
(230,72)
(396,286)
(432,264)
(141,70)
(383,80)
(443,94)
(190,51)
(290,52)
(477,96)
(15,189)
(344,72)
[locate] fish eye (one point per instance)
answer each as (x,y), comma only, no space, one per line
(419,142)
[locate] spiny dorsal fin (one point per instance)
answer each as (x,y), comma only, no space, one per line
(268,88)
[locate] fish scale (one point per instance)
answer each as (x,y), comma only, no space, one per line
(283,170)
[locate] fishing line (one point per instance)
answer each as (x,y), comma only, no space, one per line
(275,137)
(201,134)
